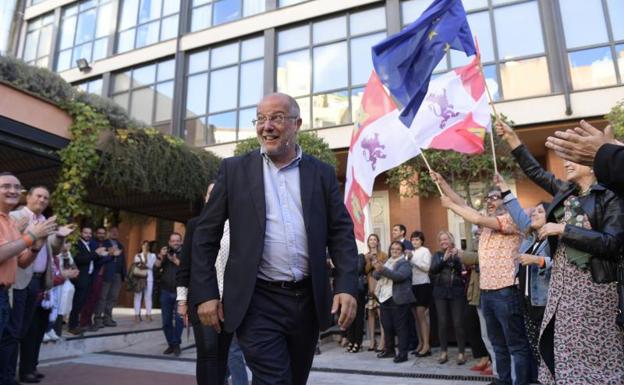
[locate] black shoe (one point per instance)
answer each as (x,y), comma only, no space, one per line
(400,358)
(177,351)
(425,354)
(29,379)
(317,351)
(169,350)
(38,375)
(385,354)
(109,323)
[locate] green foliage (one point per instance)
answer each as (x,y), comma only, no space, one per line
(458,169)
(616,118)
(310,144)
(79,159)
(144,160)
(110,147)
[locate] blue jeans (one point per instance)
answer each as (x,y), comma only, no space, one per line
(502,310)
(236,365)
(168,307)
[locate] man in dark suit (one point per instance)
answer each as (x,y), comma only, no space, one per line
(285,211)
(589,146)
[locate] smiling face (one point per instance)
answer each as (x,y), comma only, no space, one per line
(493,201)
(278,139)
(576,172)
(538,217)
(37,200)
(395,250)
(86,233)
(373,242)
(10,190)
(444,241)
(397,233)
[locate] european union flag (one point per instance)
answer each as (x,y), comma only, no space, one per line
(404,62)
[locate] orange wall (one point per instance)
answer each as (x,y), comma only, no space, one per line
(434,218)
(404,210)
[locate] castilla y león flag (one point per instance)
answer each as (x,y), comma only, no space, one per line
(454,115)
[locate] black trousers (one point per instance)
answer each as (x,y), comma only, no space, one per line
(473,332)
(451,310)
(394,319)
(355,332)
(82,285)
(278,335)
(212,352)
(31,345)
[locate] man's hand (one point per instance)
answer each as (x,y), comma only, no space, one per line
(101,251)
(21,224)
(446,201)
(42,229)
(347,305)
(528,259)
(210,313)
(581,144)
(379,266)
(550,229)
(500,182)
(183,312)
(64,231)
(507,134)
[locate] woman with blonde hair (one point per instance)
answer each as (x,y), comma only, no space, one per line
(373,255)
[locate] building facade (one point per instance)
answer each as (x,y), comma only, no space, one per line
(196,68)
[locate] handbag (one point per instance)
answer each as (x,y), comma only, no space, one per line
(137,271)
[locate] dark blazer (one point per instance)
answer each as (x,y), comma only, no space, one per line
(609,167)
(82,259)
(183,276)
(401,276)
(238,195)
(602,206)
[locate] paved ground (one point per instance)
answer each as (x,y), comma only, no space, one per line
(136,359)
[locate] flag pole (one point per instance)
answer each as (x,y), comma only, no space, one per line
(422,153)
(491,100)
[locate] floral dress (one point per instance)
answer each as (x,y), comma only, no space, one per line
(588,346)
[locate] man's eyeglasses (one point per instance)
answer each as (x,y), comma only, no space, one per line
(8,186)
(492,197)
(278,120)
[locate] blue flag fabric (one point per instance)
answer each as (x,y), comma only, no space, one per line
(405,61)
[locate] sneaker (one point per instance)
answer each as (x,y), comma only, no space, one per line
(47,338)
(108,322)
(177,351)
(52,334)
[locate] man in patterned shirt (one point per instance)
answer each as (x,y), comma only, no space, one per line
(501,302)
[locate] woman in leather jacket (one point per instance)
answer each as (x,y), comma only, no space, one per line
(449,294)
(580,342)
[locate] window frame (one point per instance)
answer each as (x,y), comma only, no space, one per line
(137,24)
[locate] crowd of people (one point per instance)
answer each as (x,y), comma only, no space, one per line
(536,299)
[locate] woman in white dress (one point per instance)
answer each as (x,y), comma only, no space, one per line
(145,260)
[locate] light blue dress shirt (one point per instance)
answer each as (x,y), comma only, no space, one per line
(285,255)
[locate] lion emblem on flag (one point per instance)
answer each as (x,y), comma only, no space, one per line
(441,107)
(372,150)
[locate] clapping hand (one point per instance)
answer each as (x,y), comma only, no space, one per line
(64,231)
(581,144)
(42,229)
(551,229)
(21,224)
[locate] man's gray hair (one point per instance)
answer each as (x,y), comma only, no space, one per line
(294,109)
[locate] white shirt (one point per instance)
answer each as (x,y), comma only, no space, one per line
(421,262)
(91,265)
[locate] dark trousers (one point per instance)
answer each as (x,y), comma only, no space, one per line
(82,285)
(394,319)
(451,310)
(473,332)
(172,323)
(502,310)
(355,332)
(29,349)
(278,335)
(5,309)
(93,297)
(212,353)
(108,297)
(24,302)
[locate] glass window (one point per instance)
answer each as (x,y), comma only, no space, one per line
(515,42)
(575,14)
(412,9)
(619,57)
(321,72)
(206,13)
(223,86)
(146,92)
(38,40)
(93,86)
(146,22)
(592,68)
(514,75)
(616,10)
(285,3)
(85,31)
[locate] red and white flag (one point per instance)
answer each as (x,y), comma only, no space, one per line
(453,116)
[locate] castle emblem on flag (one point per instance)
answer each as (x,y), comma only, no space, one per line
(444,109)
(374,149)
